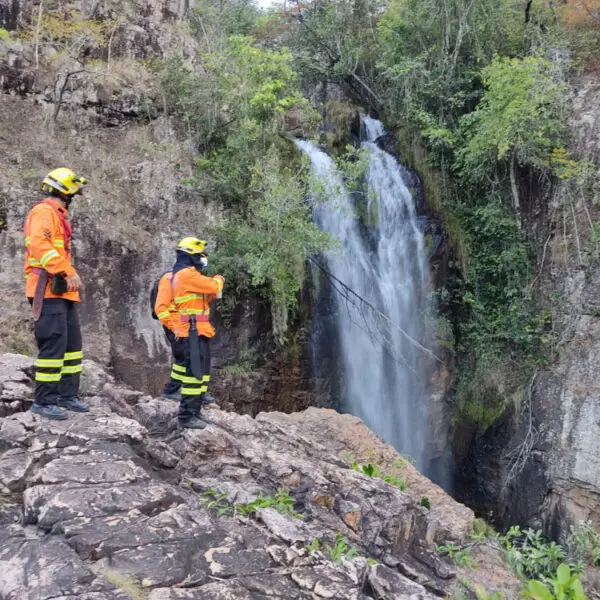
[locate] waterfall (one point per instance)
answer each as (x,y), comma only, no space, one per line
(382,258)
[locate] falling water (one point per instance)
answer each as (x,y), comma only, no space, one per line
(381,258)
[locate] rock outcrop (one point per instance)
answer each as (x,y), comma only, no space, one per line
(540,466)
(110,124)
(119,503)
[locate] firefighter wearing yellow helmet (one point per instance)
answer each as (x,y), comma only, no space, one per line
(52,287)
(182,305)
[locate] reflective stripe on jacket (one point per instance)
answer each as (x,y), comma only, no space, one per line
(164,307)
(192,294)
(46,248)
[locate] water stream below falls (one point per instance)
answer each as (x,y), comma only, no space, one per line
(381,258)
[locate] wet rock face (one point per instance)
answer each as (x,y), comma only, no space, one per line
(120,503)
(540,467)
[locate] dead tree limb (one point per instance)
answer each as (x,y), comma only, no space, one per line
(518,457)
(59,96)
(383,325)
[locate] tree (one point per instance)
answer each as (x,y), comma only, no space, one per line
(519,120)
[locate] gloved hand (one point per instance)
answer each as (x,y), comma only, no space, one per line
(221,281)
(73,283)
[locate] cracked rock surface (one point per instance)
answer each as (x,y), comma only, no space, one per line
(119,503)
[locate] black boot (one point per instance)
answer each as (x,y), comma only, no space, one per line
(73,403)
(208,398)
(50,412)
(192,423)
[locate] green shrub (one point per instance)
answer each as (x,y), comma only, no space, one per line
(282,502)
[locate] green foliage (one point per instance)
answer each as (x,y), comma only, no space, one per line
(371,470)
(583,544)
(533,558)
(481,530)
(499,333)
(212,20)
(271,240)
(216,502)
(459,555)
(4,35)
(340,550)
(282,502)
(254,83)
(483,595)
(519,117)
(563,586)
(71,31)
(425,502)
(234,109)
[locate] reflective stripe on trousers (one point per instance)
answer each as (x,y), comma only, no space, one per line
(58,365)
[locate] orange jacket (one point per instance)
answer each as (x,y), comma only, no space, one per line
(45,241)
(192,295)
(164,307)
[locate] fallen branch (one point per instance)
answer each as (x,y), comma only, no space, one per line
(519,456)
(358,301)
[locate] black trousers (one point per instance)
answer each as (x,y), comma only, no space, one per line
(178,367)
(192,388)
(58,365)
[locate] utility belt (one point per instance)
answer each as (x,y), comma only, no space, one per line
(58,286)
(197,318)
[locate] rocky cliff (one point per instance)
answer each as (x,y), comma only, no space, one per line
(539,465)
(119,503)
(105,119)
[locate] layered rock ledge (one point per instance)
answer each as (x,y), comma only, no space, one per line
(120,503)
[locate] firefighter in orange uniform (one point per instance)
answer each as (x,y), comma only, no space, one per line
(184,309)
(52,287)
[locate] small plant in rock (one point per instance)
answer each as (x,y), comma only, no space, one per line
(424,501)
(216,502)
(347,457)
(533,558)
(341,549)
(371,470)
(458,555)
(583,544)
(564,586)
(395,481)
(406,458)
(481,530)
(282,502)
(483,595)
(336,552)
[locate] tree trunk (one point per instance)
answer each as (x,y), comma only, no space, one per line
(515,192)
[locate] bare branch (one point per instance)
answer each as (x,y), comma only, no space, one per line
(58,97)
(37,35)
(518,457)
(378,325)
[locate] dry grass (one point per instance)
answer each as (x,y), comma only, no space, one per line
(125,583)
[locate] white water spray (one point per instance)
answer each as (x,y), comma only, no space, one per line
(384,261)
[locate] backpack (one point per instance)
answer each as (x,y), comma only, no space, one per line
(154,294)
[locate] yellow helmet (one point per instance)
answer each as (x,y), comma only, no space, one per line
(191,245)
(63,181)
